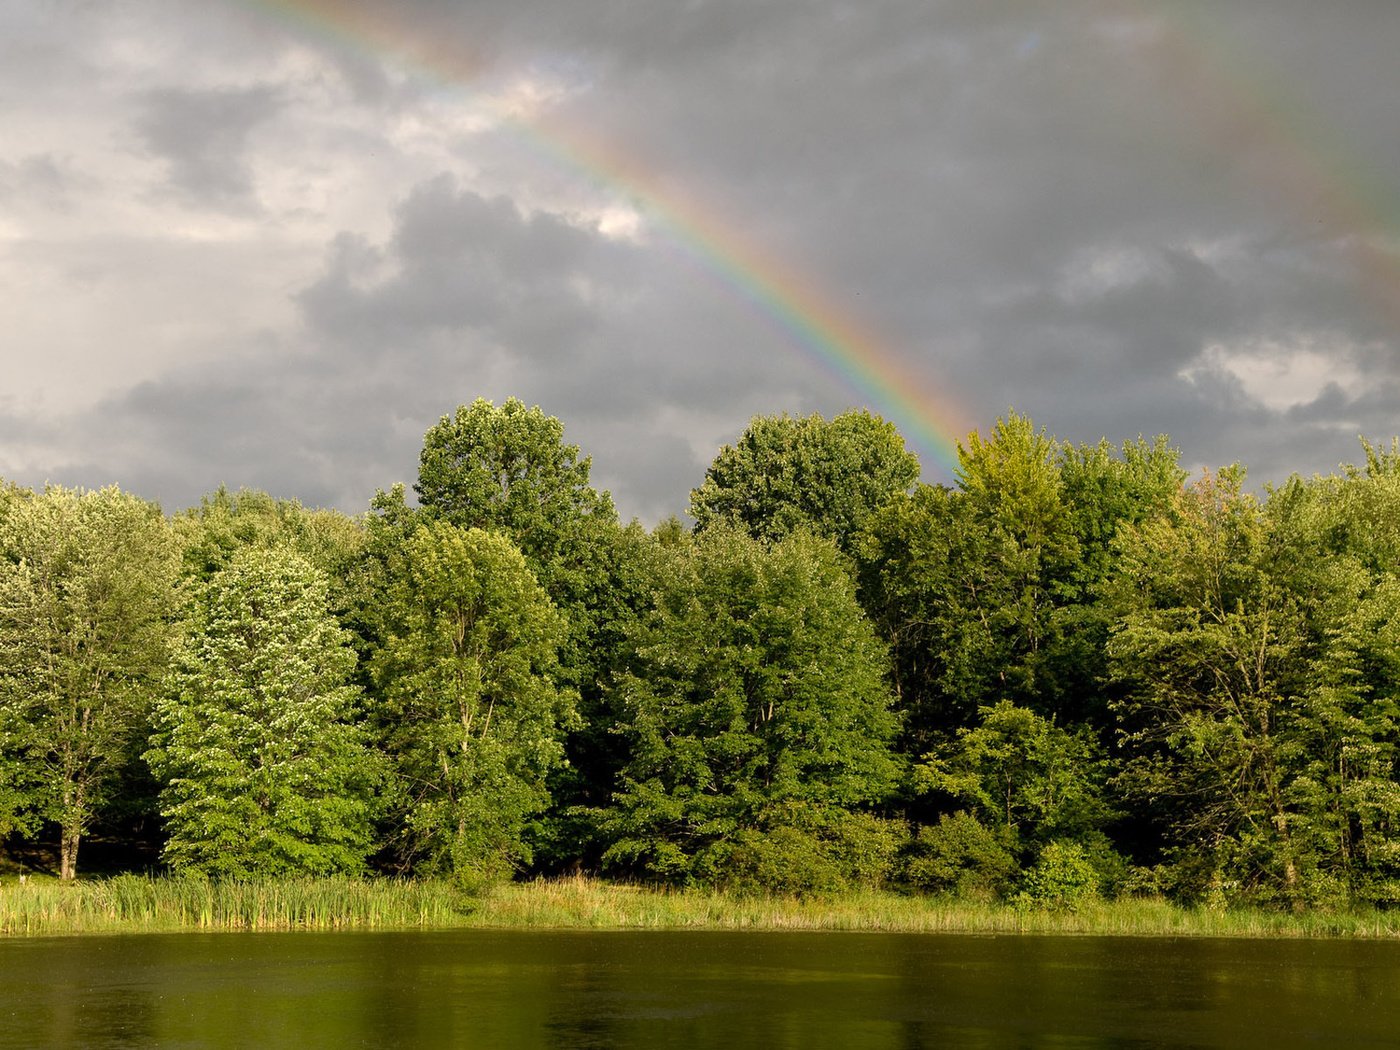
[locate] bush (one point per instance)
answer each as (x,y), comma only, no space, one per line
(804,850)
(960,856)
(1063,878)
(1115,876)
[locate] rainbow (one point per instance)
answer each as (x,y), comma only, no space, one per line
(814,322)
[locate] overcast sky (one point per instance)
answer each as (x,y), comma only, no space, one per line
(269,244)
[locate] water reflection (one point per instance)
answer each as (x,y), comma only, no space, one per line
(537,989)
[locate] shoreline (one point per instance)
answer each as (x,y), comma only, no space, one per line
(171,904)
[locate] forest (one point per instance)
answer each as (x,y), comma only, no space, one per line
(1077,672)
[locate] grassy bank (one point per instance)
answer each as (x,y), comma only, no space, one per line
(136,904)
(131,903)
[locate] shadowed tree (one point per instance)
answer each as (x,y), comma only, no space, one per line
(757,715)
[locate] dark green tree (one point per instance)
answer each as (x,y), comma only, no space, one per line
(933,589)
(471,715)
(758,719)
(787,473)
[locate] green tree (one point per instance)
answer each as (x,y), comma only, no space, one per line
(992,591)
(225,523)
(471,714)
(931,584)
(753,704)
(1022,774)
(1103,492)
(508,470)
(1014,496)
(85,596)
(1342,536)
(265,770)
(1213,648)
(1358,774)
(786,473)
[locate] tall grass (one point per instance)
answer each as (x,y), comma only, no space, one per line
(588,903)
(134,903)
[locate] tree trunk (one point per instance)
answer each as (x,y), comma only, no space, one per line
(68,853)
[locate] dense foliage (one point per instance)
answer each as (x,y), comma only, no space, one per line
(1074,673)
(265,770)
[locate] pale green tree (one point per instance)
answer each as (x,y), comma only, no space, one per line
(257,743)
(471,714)
(86,584)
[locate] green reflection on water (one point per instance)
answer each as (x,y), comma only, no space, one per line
(573,989)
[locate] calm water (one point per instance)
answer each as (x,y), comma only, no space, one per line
(536,989)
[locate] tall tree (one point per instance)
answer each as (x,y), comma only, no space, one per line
(1342,542)
(931,583)
(825,477)
(508,470)
(754,704)
(86,584)
(226,522)
(1213,649)
(471,715)
(991,591)
(265,769)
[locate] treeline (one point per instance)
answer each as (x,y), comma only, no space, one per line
(1074,673)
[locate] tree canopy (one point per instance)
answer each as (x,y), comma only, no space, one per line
(787,473)
(257,741)
(754,699)
(1073,671)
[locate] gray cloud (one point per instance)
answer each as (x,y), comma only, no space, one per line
(202,135)
(1120,218)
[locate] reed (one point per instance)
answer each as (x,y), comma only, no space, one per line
(594,904)
(136,903)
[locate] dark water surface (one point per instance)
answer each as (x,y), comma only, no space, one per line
(686,989)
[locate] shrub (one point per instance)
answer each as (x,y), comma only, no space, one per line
(805,850)
(1063,878)
(960,855)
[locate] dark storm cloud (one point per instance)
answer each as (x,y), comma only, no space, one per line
(468,296)
(457,261)
(602,323)
(202,135)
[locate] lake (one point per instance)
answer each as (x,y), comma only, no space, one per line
(480,988)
